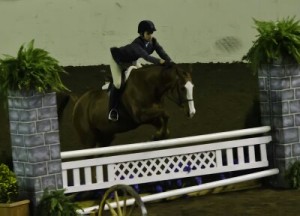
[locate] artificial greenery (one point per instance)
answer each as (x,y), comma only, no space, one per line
(57,203)
(32,69)
(277,42)
(293,175)
(8,185)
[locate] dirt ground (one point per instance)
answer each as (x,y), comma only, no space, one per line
(254,202)
(250,198)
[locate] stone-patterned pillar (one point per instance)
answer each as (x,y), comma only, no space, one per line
(280,108)
(35,142)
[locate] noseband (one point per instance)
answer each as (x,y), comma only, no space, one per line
(181,99)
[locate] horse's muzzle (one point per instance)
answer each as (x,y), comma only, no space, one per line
(192,113)
(192,110)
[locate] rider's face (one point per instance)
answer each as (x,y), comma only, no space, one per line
(147,36)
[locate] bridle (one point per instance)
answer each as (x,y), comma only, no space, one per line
(181,99)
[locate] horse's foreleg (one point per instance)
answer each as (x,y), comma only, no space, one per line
(158,118)
(161,125)
(104,140)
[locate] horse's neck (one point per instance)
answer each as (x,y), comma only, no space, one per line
(163,79)
(157,79)
(168,79)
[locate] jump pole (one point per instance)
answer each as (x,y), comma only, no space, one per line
(183,191)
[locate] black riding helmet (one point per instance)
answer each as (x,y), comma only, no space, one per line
(146,25)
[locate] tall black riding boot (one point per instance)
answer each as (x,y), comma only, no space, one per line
(114,98)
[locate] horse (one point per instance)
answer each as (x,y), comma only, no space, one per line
(141,103)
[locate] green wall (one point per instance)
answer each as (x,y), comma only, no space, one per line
(80,32)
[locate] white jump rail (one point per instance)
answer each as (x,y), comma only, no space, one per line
(165,143)
(189,159)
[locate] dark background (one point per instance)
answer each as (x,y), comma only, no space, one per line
(225,94)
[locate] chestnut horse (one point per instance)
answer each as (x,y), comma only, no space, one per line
(141,103)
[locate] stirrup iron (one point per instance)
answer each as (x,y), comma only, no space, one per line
(110,114)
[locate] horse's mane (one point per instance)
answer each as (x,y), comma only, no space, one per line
(164,67)
(148,65)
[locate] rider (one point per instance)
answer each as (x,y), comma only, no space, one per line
(142,47)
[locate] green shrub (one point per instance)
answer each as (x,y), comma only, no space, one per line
(57,203)
(32,69)
(8,185)
(276,42)
(293,175)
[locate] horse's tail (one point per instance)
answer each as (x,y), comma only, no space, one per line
(62,101)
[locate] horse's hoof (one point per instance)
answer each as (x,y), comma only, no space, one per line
(153,138)
(156,138)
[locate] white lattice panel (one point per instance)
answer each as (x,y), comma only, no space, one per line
(180,162)
(164,165)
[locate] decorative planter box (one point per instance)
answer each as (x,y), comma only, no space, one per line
(35,142)
(279,87)
(20,208)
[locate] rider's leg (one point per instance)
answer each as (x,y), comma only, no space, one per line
(114,91)
(137,63)
(114,98)
(116,73)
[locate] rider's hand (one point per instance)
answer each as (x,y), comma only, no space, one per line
(161,61)
(168,64)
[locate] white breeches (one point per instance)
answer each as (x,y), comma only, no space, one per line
(116,73)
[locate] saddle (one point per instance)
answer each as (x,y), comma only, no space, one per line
(126,75)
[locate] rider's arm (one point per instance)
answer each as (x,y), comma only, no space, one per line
(160,51)
(143,54)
